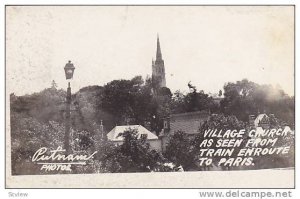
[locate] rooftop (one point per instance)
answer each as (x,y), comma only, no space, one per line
(115,133)
(189,122)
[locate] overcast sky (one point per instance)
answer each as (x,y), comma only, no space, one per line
(208,46)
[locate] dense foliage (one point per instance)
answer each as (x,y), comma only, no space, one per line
(181,151)
(244,98)
(134,155)
(38,120)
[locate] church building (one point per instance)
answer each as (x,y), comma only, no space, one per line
(158,69)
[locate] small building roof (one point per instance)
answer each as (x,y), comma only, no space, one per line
(114,134)
(189,122)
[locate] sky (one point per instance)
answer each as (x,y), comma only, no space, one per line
(205,45)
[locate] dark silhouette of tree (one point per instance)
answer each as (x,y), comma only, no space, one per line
(220,93)
(193,101)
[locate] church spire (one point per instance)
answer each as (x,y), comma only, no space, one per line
(158,51)
(158,69)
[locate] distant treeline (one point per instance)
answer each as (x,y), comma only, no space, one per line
(134,101)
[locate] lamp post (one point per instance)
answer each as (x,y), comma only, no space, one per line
(69,71)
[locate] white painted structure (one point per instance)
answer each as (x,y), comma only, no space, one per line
(115,135)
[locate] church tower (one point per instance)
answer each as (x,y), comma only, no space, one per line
(158,69)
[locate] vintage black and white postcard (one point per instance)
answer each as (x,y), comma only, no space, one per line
(150,96)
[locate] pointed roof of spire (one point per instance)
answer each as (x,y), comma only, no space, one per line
(158,51)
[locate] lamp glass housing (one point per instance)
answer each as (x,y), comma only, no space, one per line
(69,70)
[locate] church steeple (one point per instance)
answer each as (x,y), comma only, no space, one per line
(158,68)
(158,51)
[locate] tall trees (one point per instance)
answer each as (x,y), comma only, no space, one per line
(245,97)
(192,101)
(136,100)
(127,99)
(37,119)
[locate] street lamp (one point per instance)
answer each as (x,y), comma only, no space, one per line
(69,71)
